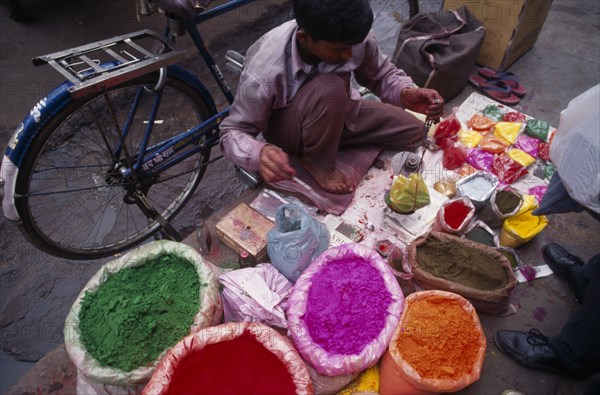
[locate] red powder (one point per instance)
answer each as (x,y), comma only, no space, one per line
(239,366)
(455,213)
(347,306)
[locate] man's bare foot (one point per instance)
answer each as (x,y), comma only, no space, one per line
(333,182)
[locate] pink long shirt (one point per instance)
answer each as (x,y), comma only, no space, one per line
(274,72)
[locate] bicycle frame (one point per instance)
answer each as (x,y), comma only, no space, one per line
(154,161)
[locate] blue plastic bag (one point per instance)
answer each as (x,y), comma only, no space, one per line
(296,240)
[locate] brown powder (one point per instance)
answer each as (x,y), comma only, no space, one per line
(462,264)
(507,201)
(439,339)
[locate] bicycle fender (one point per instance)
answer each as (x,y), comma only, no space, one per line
(191,80)
(20,141)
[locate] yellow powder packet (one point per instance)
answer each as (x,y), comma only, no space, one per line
(469,138)
(508,131)
(522,157)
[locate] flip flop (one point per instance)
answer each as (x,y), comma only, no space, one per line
(509,78)
(495,89)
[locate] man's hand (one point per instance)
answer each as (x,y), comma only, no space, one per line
(274,164)
(424,101)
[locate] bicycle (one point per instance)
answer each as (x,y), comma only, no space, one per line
(118,149)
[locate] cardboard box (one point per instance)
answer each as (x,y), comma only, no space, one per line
(513,26)
(244,229)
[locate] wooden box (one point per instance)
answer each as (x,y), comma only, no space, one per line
(244,229)
(512,27)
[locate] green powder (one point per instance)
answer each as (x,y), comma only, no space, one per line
(480,235)
(464,265)
(139,312)
(507,201)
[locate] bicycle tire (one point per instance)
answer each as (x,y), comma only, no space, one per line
(93,220)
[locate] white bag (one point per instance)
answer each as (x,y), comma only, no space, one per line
(575,149)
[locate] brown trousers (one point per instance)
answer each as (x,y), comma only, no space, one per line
(322,118)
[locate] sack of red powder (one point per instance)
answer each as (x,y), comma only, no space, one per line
(343,309)
(139,282)
(439,346)
(471,269)
(232,358)
(454,216)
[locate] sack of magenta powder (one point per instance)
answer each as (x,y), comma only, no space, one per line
(343,310)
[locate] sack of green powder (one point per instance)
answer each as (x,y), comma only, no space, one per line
(473,270)
(232,358)
(343,309)
(133,309)
(296,240)
(503,203)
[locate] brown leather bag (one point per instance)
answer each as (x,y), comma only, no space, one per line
(439,49)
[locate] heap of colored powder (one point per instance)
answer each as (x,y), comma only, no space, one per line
(480,235)
(455,213)
(238,366)
(439,339)
(507,201)
(139,312)
(460,263)
(347,306)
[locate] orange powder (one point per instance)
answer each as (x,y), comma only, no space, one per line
(439,339)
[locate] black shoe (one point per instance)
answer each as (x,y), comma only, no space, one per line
(529,349)
(563,264)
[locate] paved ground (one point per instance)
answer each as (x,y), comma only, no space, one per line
(37,290)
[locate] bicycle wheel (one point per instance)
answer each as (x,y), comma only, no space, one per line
(72,203)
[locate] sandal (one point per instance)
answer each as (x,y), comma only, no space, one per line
(507,77)
(495,89)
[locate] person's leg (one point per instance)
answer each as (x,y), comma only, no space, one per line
(384,125)
(578,345)
(311,126)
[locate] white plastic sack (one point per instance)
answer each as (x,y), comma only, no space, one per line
(575,149)
(255,294)
(108,380)
(296,240)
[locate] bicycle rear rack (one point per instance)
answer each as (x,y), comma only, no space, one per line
(101,65)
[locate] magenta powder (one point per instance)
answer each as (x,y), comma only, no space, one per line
(347,306)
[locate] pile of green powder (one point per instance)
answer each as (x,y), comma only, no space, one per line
(507,201)
(139,312)
(464,265)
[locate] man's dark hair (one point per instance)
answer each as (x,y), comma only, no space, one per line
(344,21)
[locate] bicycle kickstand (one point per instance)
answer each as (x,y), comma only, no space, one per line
(166,228)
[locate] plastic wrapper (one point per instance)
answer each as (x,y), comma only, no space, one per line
(514,117)
(269,338)
(109,380)
(521,157)
(449,127)
(538,129)
(576,149)
(324,385)
(544,151)
(528,144)
(480,122)
(549,170)
(398,377)
(507,131)
(469,138)
(493,112)
(521,228)
(446,188)
(478,187)
(538,192)
(494,213)
(408,194)
(333,364)
(455,155)
(492,144)
(255,294)
(495,302)
(480,159)
(296,240)
(454,216)
(507,169)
